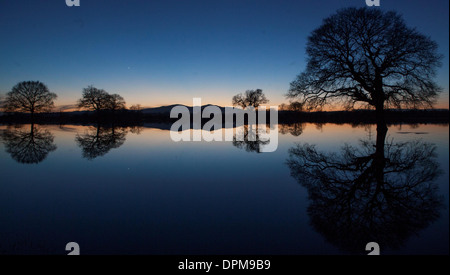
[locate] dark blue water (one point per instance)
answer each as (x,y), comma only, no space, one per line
(135,191)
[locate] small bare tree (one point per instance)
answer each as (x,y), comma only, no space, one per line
(296,106)
(283,107)
(115,103)
(136,107)
(2,101)
(252,98)
(94,99)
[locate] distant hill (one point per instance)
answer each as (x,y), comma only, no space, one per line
(166,109)
(159,110)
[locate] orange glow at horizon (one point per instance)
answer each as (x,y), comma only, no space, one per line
(151,97)
(442,103)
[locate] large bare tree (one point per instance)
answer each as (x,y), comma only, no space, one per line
(29,97)
(365,56)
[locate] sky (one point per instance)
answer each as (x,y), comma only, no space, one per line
(166,52)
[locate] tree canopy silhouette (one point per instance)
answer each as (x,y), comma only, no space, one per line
(2,101)
(253,98)
(29,97)
(99,100)
(115,102)
(93,99)
(28,147)
(365,56)
(365,193)
(136,107)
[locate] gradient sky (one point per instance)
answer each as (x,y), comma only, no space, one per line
(165,52)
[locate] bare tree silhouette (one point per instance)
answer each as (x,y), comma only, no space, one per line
(99,100)
(30,97)
(28,147)
(94,99)
(251,98)
(115,102)
(368,57)
(98,142)
(366,193)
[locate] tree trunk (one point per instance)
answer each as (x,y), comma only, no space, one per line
(381,126)
(379,158)
(98,131)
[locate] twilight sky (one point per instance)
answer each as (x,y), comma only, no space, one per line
(161,52)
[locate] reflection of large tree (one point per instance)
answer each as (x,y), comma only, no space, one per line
(251,140)
(98,142)
(375,192)
(28,146)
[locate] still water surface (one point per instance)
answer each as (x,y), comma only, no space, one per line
(135,191)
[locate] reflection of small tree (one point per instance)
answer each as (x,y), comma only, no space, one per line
(251,98)
(295,129)
(369,194)
(136,130)
(99,142)
(28,147)
(251,141)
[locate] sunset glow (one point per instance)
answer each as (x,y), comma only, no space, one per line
(157,53)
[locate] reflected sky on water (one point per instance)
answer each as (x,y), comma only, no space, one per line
(134,191)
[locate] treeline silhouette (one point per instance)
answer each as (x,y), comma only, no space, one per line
(127,117)
(136,117)
(356,117)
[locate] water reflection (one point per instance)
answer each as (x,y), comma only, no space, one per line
(295,129)
(372,192)
(251,141)
(99,141)
(28,146)
(137,130)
